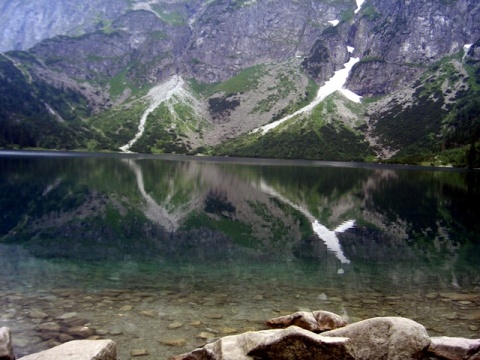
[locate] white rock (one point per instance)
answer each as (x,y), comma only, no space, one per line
(6,351)
(454,348)
(78,350)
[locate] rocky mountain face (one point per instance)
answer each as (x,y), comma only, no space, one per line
(243,64)
(25,23)
(396,40)
(232,35)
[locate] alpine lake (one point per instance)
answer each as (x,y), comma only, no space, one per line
(162,254)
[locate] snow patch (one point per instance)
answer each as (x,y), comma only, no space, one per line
(157,95)
(359,5)
(466,49)
(334,22)
(350,95)
(336,83)
(350,49)
(54,113)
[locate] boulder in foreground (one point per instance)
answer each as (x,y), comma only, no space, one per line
(78,350)
(291,343)
(386,338)
(454,348)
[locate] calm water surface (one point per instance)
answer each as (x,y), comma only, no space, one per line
(163,254)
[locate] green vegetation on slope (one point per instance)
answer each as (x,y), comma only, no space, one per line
(36,114)
(246,80)
(442,126)
(301,138)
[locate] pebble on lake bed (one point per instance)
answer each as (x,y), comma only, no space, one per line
(147,313)
(173,342)
(214,316)
(67,316)
(37,314)
(228,330)
(206,335)
(139,352)
(175,325)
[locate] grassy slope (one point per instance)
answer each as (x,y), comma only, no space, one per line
(318,135)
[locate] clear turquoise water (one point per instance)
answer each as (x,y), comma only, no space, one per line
(150,249)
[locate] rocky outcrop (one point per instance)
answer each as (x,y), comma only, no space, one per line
(233,35)
(405,35)
(473,54)
(379,338)
(6,351)
(25,23)
(394,40)
(328,54)
(290,343)
(390,338)
(78,349)
(138,41)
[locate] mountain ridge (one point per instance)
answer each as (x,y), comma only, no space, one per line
(250,63)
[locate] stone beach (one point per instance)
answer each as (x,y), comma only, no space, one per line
(159,324)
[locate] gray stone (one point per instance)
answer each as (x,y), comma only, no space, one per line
(175,325)
(291,343)
(316,321)
(49,327)
(454,348)
(67,316)
(386,338)
(75,322)
(78,350)
(6,351)
(173,342)
(37,314)
(138,352)
(81,331)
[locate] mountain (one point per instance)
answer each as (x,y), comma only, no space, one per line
(392,80)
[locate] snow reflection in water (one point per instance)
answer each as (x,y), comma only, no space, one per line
(329,237)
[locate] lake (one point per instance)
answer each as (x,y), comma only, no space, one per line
(164,253)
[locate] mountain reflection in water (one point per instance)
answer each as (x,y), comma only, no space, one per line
(177,238)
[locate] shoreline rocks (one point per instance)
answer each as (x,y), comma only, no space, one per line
(290,343)
(302,335)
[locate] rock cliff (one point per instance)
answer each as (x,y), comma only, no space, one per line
(25,23)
